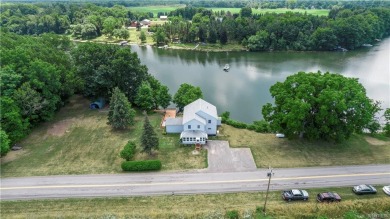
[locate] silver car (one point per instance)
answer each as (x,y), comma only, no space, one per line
(386,189)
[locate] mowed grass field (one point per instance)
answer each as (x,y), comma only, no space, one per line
(268,150)
(156,8)
(79,141)
(201,206)
(133,39)
(167,9)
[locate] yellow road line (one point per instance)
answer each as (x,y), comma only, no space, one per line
(188,183)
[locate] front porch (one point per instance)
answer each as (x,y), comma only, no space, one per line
(193,137)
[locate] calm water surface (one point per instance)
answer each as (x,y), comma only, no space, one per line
(245,88)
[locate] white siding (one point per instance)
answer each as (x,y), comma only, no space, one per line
(211,128)
(193,141)
(195,125)
(174,128)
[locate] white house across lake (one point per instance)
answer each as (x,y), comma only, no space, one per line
(200,119)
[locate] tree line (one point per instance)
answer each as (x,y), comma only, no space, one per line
(270,31)
(344,27)
(272,4)
(39,74)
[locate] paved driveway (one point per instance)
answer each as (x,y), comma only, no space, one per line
(222,158)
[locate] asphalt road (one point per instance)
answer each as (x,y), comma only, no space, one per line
(196,182)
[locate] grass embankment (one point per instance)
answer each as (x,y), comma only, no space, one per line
(269,150)
(79,141)
(199,206)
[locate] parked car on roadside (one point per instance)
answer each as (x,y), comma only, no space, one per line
(386,189)
(364,189)
(295,194)
(328,197)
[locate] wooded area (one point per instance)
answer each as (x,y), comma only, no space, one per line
(349,24)
(39,74)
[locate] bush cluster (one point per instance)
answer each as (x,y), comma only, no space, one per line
(141,165)
(128,151)
(233,214)
(257,126)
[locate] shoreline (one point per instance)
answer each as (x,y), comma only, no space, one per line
(184,47)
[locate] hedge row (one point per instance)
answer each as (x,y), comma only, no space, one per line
(141,165)
(257,126)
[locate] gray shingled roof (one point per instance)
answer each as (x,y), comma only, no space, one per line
(174,121)
(191,110)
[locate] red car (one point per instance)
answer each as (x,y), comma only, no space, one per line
(328,197)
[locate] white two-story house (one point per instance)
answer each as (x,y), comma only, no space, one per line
(200,119)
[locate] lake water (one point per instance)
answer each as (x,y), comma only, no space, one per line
(244,89)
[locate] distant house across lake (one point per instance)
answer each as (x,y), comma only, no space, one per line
(145,22)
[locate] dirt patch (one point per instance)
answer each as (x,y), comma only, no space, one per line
(12,155)
(374,141)
(60,128)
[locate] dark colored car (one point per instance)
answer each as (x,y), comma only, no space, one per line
(295,194)
(364,189)
(328,197)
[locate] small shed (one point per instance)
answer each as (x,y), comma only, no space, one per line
(163,18)
(98,104)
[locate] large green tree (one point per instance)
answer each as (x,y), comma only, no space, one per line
(11,120)
(386,128)
(144,97)
(29,101)
(186,94)
(259,42)
(110,24)
(149,139)
(103,67)
(161,96)
(120,115)
(4,143)
(324,39)
(319,106)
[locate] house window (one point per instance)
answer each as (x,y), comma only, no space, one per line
(209,128)
(189,126)
(209,121)
(198,126)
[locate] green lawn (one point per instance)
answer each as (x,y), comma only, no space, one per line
(269,150)
(156,8)
(167,9)
(78,141)
(133,39)
(198,206)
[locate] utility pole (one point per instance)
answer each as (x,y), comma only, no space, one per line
(269,175)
